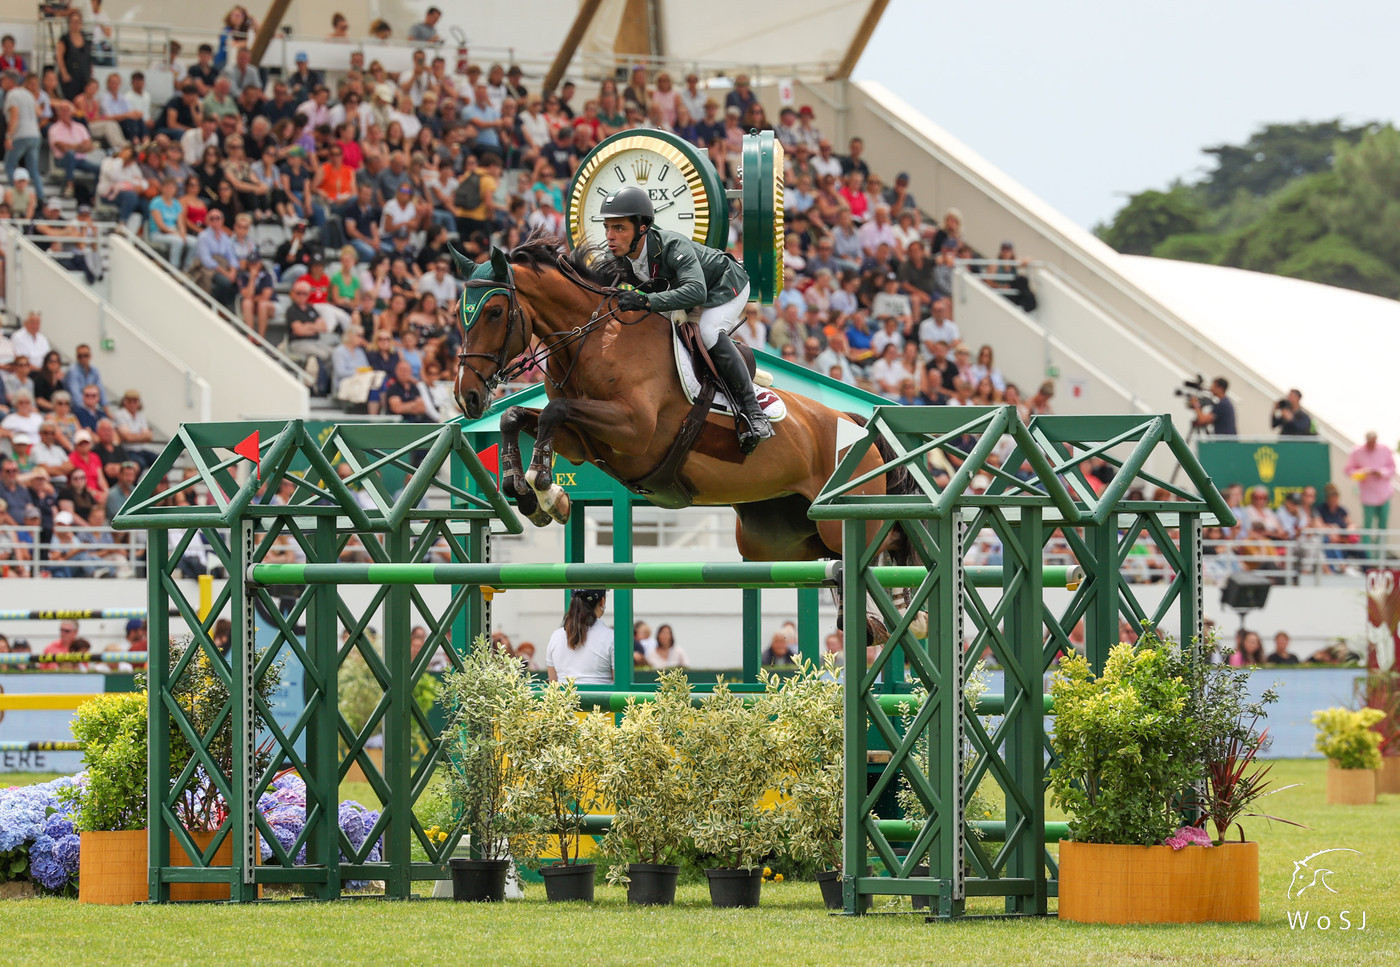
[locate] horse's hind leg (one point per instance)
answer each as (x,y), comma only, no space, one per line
(513,485)
(551,497)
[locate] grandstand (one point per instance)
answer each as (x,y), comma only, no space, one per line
(311,142)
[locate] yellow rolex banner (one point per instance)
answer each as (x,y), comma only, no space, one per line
(1280,465)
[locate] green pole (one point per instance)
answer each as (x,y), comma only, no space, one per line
(853,841)
(157,715)
(243,780)
(323,733)
(620,575)
(622,599)
(809,632)
(752,633)
(398,721)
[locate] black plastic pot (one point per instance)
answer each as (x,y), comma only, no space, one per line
(564,882)
(735,888)
(479,881)
(830,883)
(652,884)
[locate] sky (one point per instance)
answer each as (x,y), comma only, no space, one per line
(1087,102)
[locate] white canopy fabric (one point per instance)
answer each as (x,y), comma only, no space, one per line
(1340,348)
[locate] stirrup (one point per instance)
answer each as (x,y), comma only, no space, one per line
(752,432)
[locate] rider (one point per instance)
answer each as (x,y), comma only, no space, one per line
(709,284)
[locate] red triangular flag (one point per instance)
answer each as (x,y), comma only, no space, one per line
(248,450)
(490,459)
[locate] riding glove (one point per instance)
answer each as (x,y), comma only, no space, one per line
(630,300)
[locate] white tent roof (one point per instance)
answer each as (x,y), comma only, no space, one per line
(1340,348)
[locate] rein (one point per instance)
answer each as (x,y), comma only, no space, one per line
(541,357)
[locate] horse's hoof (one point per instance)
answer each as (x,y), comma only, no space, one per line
(540,518)
(556,503)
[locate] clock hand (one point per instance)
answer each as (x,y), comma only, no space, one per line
(669,204)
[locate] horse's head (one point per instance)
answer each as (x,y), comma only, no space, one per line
(494,329)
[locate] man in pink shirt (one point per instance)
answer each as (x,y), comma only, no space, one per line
(1373,468)
(70,142)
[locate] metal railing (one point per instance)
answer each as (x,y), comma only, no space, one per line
(94,552)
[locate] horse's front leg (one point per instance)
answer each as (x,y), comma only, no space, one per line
(540,477)
(513,485)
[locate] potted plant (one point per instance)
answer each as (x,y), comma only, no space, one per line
(650,797)
(728,754)
(110,804)
(559,756)
(487,696)
(1352,748)
(1130,745)
(810,738)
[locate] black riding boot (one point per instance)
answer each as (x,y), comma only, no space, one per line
(750,423)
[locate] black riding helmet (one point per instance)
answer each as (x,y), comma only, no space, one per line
(630,203)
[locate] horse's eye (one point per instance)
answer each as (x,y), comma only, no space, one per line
(495,312)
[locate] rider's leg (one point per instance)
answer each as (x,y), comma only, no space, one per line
(715,326)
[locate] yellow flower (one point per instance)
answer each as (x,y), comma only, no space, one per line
(987,813)
(442,837)
(767,871)
(777,878)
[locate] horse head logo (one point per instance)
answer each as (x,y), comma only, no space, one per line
(1307,875)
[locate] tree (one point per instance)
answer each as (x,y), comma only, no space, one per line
(1367,206)
(1150,217)
(1275,155)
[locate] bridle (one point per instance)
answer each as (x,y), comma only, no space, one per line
(473,302)
(477,293)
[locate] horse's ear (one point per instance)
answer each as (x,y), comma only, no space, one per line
(465,266)
(500,269)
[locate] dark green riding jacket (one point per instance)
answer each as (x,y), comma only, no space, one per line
(693,274)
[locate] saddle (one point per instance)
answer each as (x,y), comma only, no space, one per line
(663,485)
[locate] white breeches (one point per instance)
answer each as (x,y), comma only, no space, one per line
(722,318)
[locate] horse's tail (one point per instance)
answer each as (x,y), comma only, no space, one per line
(897,481)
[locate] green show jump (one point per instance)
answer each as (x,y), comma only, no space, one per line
(678,575)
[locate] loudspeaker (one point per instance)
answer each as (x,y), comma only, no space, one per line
(1245,592)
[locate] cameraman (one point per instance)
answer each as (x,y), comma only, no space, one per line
(1221,416)
(1289,416)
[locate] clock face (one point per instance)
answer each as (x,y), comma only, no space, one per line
(680,182)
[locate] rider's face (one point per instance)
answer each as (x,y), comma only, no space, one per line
(620,235)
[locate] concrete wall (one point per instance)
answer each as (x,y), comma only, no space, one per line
(173,391)
(245,380)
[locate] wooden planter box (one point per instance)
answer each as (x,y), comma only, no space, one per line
(1351,787)
(112,868)
(1388,779)
(1157,884)
(356,774)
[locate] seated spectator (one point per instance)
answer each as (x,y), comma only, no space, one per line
(986,369)
(309,337)
(86,462)
(1259,512)
(1039,404)
(1290,516)
(890,371)
(109,450)
(1281,655)
(779,651)
(405,399)
(348,358)
(24,419)
(878,230)
(664,652)
(256,294)
(892,304)
(69,143)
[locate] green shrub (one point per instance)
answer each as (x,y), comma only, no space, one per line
(112,728)
(1347,737)
(1126,748)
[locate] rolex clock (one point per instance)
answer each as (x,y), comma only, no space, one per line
(684,189)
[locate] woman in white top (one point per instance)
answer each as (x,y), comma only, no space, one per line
(664,652)
(583,648)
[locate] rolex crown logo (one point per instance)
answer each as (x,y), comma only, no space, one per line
(641,168)
(1266,461)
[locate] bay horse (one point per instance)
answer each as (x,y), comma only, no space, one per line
(615,400)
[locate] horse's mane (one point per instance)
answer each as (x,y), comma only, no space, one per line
(592,261)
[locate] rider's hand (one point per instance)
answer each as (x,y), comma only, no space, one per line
(631,300)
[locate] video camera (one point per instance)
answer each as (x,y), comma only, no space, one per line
(1195,392)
